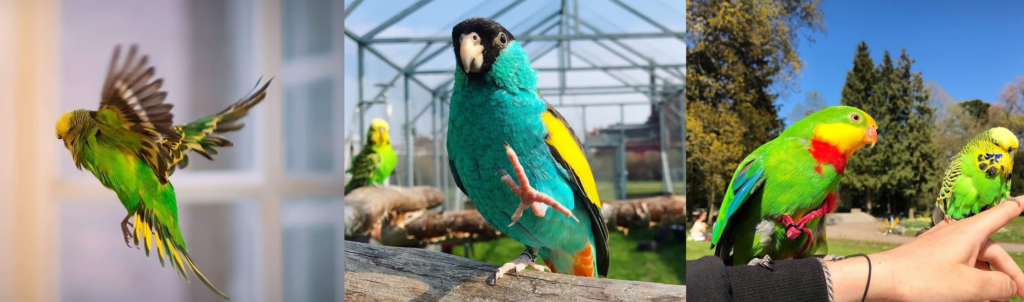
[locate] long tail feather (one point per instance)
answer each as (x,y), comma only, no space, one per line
(149,230)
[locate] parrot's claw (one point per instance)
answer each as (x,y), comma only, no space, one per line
(529,198)
(765,262)
(830,257)
(1014,199)
(948,219)
(126,231)
(517,265)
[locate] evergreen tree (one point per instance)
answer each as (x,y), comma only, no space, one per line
(859,181)
(918,175)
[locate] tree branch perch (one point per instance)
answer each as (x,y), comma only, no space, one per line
(381,273)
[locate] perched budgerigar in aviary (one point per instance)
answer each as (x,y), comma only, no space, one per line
(497,123)
(781,191)
(130,145)
(375,162)
(978,177)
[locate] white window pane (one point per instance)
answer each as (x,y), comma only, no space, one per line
(306,28)
(309,127)
(222,239)
(311,251)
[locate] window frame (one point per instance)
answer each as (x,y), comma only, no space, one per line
(32,189)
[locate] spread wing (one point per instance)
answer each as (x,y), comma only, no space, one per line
(200,136)
(567,150)
(132,106)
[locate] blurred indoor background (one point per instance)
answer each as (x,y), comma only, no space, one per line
(260,221)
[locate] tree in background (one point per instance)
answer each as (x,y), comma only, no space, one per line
(976,110)
(740,56)
(859,180)
(901,170)
(714,147)
(918,175)
(1009,113)
(813,101)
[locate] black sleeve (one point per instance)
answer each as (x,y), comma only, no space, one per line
(707,279)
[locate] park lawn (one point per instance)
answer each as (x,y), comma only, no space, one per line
(1011,232)
(695,250)
(625,263)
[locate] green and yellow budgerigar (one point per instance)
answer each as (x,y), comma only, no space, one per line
(376,161)
(130,145)
(978,177)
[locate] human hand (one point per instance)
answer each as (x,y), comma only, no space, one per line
(946,263)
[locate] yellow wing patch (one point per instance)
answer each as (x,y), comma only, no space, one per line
(560,138)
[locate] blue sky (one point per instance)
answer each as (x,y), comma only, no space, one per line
(970,48)
(438,17)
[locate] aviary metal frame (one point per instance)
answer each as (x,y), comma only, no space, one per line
(563,27)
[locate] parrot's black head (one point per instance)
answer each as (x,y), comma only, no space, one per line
(478,42)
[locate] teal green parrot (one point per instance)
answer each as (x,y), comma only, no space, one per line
(498,122)
(376,161)
(781,190)
(131,147)
(978,177)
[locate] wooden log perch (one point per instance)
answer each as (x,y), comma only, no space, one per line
(381,273)
(644,212)
(417,228)
(367,207)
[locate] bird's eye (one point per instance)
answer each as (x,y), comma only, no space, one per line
(1011,150)
(504,40)
(855,117)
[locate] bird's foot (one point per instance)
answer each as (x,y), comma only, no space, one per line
(765,262)
(126,231)
(529,197)
(1014,199)
(830,257)
(948,219)
(520,263)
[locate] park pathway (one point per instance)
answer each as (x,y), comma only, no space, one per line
(866,231)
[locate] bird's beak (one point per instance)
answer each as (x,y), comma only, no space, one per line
(871,136)
(471,52)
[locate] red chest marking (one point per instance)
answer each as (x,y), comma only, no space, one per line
(826,153)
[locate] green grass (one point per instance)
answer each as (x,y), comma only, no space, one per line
(695,249)
(606,189)
(1011,232)
(626,263)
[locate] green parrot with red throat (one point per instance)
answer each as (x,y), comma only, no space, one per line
(780,192)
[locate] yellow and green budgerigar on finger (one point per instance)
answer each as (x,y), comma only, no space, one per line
(130,145)
(978,177)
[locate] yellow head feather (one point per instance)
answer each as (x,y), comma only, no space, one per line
(64,124)
(378,132)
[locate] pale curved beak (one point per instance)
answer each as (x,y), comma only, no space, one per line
(871,136)
(471,53)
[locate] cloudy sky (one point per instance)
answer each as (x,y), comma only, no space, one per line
(438,17)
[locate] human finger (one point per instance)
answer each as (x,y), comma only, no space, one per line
(989,221)
(988,285)
(1001,261)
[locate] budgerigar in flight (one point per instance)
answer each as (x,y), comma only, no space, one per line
(130,145)
(781,191)
(498,122)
